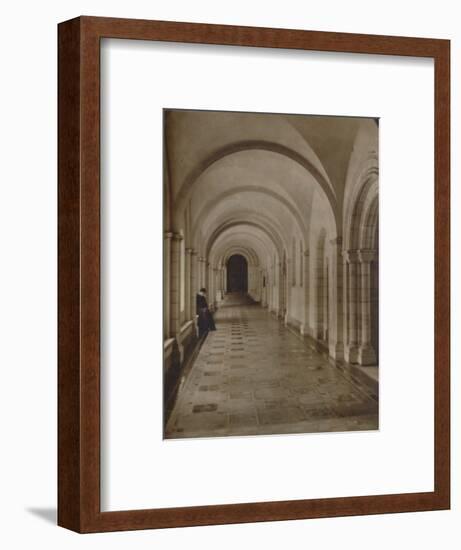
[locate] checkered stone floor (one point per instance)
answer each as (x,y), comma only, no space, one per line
(254,376)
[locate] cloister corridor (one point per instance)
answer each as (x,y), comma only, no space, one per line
(271,228)
(255,376)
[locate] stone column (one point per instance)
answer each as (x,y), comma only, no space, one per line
(319,291)
(167,283)
(351,258)
(288,288)
(258,283)
(175,290)
(207,270)
(201,272)
(222,275)
(188,312)
(335,331)
(215,285)
(306,292)
(328,310)
(251,288)
(193,283)
(281,281)
(211,284)
(366,353)
(219,283)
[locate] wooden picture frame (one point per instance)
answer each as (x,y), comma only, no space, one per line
(79,274)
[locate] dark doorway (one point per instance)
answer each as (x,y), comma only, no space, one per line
(237,274)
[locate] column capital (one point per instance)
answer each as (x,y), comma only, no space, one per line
(351,256)
(367,255)
(336,241)
(167,234)
(307,252)
(201,259)
(190,251)
(178,237)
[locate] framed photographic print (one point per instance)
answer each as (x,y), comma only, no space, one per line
(253,274)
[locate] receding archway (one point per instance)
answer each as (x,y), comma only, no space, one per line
(237,274)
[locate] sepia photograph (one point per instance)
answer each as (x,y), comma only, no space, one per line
(270,273)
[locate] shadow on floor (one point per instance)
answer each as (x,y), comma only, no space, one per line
(47,514)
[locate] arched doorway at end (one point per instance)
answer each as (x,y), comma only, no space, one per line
(237,274)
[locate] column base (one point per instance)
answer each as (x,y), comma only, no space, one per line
(366,355)
(317,333)
(336,350)
(351,353)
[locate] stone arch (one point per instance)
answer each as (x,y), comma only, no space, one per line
(246,145)
(253,188)
(250,255)
(256,244)
(276,241)
(361,251)
(364,213)
(220,258)
(369,226)
(362,183)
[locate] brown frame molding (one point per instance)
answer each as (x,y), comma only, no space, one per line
(79,285)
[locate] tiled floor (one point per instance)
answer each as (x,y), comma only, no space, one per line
(254,376)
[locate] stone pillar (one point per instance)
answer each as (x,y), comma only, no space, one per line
(207,270)
(222,276)
(215,285)
(188,312)
(201,272)
(193,283)
(366,353)
(252,287)
(288,288)
(351,258)
(306,292)
(327,305)
(167,283)
(319,291)
(175,290)
(212,283)
(209,284)
(219,284)
(335,330)
(281,308)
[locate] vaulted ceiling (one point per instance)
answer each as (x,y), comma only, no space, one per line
(249,181)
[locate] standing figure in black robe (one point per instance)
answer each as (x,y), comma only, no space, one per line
(205,317)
